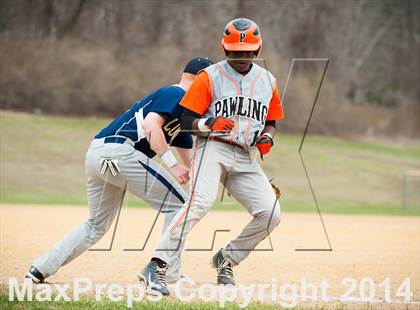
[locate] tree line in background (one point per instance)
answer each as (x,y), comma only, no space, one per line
(97,57)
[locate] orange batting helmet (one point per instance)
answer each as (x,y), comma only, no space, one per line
(241,34)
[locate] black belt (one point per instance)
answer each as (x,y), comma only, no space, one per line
(114,139)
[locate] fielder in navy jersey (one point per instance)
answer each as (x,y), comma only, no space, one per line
(164,102)
(119,159)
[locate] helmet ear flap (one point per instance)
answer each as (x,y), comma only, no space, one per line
(222,48)
(225,51)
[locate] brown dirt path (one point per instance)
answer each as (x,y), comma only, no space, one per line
(364,246)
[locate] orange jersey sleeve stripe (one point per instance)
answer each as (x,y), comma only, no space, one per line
(198,97)
(275,109)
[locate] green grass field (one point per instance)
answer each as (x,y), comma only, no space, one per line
(42,162)
(164,304)
(161,305)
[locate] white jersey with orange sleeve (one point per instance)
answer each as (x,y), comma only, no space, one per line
(249,100)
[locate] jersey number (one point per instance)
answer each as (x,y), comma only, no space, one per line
(256,134)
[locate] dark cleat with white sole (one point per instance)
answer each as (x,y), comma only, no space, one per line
(224,269)
(154,277)
(34,274)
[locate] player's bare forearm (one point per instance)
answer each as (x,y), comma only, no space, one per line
(270,128)
(152,127)
(186,155)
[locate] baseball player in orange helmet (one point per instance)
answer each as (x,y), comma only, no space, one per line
(232,107)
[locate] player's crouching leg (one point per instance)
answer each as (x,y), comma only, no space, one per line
(273,217)
(263,222)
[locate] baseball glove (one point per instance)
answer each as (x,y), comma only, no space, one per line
(275,189)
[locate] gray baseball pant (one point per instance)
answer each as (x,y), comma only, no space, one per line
(216,162)
(105,194)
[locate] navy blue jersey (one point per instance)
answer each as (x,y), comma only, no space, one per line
(165,102)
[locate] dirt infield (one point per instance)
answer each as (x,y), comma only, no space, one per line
(363,246)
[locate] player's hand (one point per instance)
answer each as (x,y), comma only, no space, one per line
(220,124)
(264,144)
(181,173)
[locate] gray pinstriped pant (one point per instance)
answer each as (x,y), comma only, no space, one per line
(245,181)
(105,194)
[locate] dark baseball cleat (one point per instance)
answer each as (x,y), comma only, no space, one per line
(34,274)
(223,268)
(154,277)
